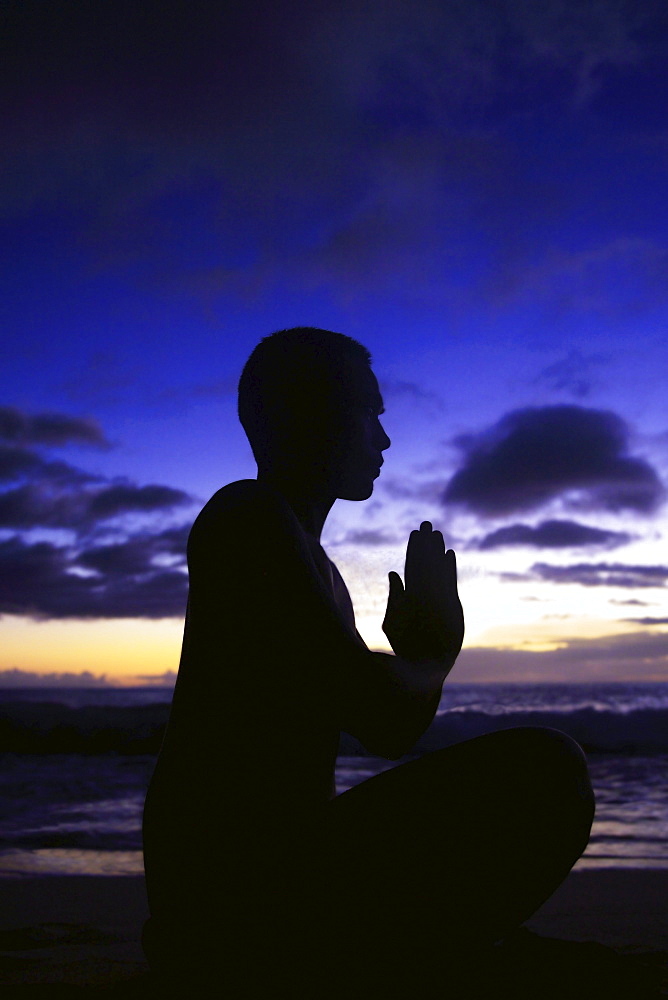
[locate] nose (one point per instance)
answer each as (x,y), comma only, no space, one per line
(383,440)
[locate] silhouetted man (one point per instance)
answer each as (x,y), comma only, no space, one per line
(260,881)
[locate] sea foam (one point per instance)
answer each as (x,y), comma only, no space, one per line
(42,727)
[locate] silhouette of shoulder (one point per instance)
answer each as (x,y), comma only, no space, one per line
(248,536)
(244,503)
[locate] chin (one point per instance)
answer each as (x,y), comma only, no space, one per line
(358,491)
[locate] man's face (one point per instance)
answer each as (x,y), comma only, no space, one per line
(333,446)
(358,439)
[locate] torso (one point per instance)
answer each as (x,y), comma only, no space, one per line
(334,581)
(256,737)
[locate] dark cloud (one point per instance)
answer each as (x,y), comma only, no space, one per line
(411,489)
(399,388)
(49,493)
(20,463)
(166,679)
(368,536)
(614,657)
(34,579)
(617,279)
(390,121)
(40,505)
(102,377)
(50,429)
(596,575)
(122,498)
(16,678)
(535,455)
(42,580)
(647,621)
(573,374)
(72,503)
(136,554)
(139,576)
(226,386)
(16,463)
(553,535)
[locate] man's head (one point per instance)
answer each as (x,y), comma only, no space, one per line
(309,404)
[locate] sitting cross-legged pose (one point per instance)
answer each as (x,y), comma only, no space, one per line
(261,881)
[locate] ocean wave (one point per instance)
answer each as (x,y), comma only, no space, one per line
(643,731)
(49,727)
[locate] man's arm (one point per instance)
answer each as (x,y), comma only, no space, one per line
(266,612)
(424,622)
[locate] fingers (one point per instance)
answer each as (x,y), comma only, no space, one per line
(428,536)
(425,543)
(451,570)
(428,569)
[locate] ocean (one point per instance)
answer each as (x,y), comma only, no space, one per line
(75,765)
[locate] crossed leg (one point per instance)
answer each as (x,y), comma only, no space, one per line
(438,858)
(417,872)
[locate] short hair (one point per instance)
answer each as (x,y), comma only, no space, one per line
(293,376)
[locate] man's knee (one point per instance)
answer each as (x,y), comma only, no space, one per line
(540,744)
(553,753)
(555,768)
(542,764)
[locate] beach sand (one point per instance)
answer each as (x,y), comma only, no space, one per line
(84,931)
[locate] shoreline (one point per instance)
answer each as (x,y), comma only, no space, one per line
(619,907)
(85,929)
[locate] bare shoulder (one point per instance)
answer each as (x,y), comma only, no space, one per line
(246,510)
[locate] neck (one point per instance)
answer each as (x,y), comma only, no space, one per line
(309,504)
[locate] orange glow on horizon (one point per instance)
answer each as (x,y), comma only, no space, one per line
(138,652)
(122,649)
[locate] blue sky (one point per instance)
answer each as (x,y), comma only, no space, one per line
(475,191)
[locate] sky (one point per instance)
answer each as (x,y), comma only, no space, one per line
(475,190)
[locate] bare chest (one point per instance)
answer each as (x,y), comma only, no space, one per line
(335,584)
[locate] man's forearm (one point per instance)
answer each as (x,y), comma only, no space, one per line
(406,704)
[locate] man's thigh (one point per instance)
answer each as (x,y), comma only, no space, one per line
(466,839)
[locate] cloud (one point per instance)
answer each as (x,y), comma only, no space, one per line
(411,489)
(226,386)
(552,535)
(140,576)
(16,678)
(102,377)
(643,655)
(42,580)
(613,279)
(375,117)
(572,374)
(48,493)
(647,621)
(368,536)
(166,679)
(539,454)
(70,501)
(412,391)
(596,575)
(50,429)
(17,462)
(135,555)
(42,505)
(124,497)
